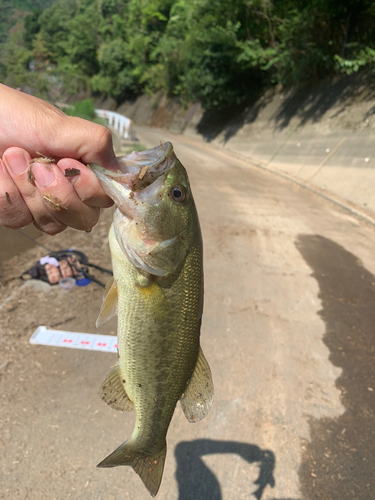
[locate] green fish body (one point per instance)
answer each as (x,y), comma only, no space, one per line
(157,293)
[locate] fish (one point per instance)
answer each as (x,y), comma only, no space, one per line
(157,293)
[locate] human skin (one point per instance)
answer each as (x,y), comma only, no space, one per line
(40,193)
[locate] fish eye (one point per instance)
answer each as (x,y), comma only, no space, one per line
(178,194)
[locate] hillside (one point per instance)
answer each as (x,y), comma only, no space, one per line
(221,53)
(318,135)
(14,11)
(287,84)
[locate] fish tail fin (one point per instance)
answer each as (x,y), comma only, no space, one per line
(148,467)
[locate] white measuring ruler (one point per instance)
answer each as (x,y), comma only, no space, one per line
(74,340)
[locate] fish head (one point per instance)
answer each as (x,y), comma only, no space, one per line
(155,218)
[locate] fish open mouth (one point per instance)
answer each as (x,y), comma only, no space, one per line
(141,182)
(140,169)
(140,179)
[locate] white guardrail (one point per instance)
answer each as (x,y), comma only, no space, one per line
(121,123)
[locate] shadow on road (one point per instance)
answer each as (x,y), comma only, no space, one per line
(197,482)
(339,459)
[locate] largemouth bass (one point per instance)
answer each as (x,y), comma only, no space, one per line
(157,293)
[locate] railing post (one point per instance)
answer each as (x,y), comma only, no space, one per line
(120,122)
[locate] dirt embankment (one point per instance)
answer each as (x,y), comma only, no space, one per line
(321,135)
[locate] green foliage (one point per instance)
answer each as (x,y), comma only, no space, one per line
(32,28)
(82,42)
(115,75)
(83,109)
(363,57)
(54,30)
(12,10)
(215,51)
(137,146)
(14,60)
(200,52)
(6,18)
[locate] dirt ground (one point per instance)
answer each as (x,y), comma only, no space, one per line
(287,330)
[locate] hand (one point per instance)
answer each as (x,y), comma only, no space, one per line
(41,193)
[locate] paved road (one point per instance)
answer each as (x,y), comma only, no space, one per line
(14,242)
(289,333)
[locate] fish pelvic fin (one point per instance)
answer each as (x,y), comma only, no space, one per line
(148,467)
(198,397)
(112,391)
(109,306)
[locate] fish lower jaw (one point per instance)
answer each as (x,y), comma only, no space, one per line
(128,216)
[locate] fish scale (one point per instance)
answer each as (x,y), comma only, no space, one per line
(172,360)
(157,293)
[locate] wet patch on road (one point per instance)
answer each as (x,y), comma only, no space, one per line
(338,462)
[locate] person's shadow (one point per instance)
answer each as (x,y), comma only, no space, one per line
(197,482)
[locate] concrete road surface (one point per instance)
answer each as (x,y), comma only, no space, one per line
(288,331)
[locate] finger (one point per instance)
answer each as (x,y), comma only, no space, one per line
(14,213)
(82,140)
(61,199)
(51,228)
(57,134)
(93,143)
(98,148)
(17,162)
(85,183)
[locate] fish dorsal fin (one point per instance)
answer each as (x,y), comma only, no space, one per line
(198,396)
(109,306)
(112,391)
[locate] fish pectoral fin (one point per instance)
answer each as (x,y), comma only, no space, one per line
(112,391)
(199,394)
(109,306)
(148,467)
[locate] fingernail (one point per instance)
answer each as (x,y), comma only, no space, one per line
(17,162)
(44,174)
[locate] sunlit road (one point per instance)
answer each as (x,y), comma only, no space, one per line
(288,331)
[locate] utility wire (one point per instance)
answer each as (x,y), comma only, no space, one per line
(34,240)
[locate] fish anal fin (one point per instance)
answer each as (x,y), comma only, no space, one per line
(112,391)
(109,306)
(148,467)
(198,396)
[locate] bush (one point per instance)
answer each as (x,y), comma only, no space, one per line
(82,109)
